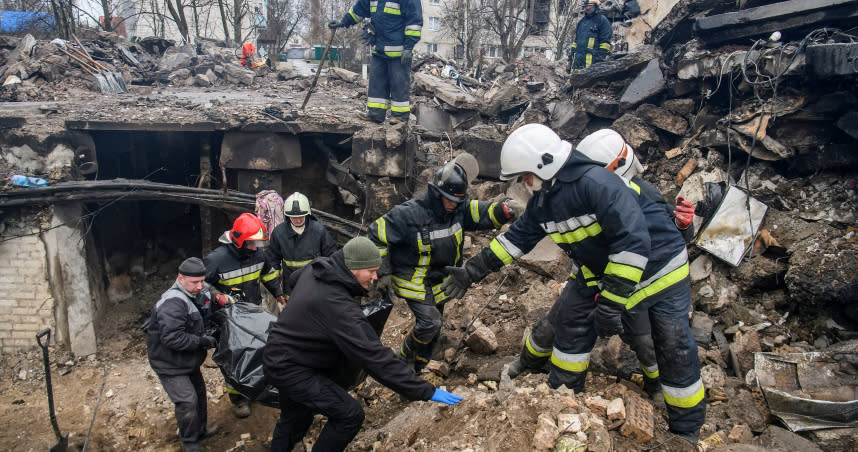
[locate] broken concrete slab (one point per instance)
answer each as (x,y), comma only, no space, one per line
(371,155)
(482,341)
(635,131)
(657,14)
(648,83)
(343,74)
(599,105)
(620,68)
(484,142)
(237,74)
(433,119)
(780,438)
(567,119)
(260,151)
(446,92)
(832,59)
(663,119)
(547,259)
(500,98)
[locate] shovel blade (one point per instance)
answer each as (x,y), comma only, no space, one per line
(62,445)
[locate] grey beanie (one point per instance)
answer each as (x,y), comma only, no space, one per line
(361,253)
(192,266)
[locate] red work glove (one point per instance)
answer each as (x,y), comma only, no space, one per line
(223,300)
(512,209)
(281,300)
(684,213)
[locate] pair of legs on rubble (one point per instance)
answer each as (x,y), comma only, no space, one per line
(656,329)
(188,394)
(303,398)
(420,343)
(389,83)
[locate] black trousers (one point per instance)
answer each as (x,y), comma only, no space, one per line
(188,393)
(300,400)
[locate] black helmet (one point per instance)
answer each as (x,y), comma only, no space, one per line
(451,182)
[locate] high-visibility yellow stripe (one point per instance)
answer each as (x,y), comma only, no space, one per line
(587,273)
(492,215)
(577,235)
(635,187)
(605,46)
(650,373)
(534,350)
(418,340)
(373,9)
(624,271)
(687,397)
(570,362)
(588,60)
(459,235)
(376,105)
(354,16)
(296,264)
(396,53)
(412,33)
(500,252)
(475,211)
(395,12)
(399,109)
(382,230)
(574,45)
(271,276)
(655,287)
(253,276)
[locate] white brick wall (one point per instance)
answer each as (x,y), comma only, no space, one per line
(26,304)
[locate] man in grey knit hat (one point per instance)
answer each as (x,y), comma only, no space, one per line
(176,346)
(322,329)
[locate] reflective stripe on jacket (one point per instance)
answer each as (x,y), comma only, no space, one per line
(290,251)
(622,242)
(397,25)
(592,41)
(226,269)
(420,242)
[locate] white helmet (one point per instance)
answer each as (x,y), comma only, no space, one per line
(610,149)
(296,205)
(533,148)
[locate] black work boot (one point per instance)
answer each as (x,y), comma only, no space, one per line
(513,369)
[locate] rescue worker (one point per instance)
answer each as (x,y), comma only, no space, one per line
(421,237)
(629,257)
(593,35)
(321,330)
(609,149)
(296,242)
(237,267)
(247,51)
(393,31)
(176,346)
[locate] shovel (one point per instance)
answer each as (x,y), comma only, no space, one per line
(114,80)
(62,441)
(87,67)
(319,71)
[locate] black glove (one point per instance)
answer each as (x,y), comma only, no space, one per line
(607,317)
(405,59)
(458,282)
(207,342)
(334,24)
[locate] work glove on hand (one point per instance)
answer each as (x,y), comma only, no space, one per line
(443,396)
(512,209)
(207,342)
(457,284)
(405,59)
(607,318)
(281,300)
(684,213)
(335,24)
(223,299)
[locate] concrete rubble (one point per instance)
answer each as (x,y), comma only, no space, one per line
(708,108)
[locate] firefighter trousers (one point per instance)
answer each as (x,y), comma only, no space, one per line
(420,342)
(675,350)
(389,86)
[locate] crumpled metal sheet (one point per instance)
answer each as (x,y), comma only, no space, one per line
(731,231)
(810,391)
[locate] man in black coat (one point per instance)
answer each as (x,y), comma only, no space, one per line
(176,346)
(321,330)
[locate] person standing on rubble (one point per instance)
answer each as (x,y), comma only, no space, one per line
(420,238)
(300,240)
(322,329)
(392,32)
(176,346)
(629,255)
(237,268)
(593,35)
(608,148)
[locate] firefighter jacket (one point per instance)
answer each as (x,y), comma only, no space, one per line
(323,329)
(623,243)
(592,41)
(397,25)
(173,333)
(231,269)
(419,238)
(290,251)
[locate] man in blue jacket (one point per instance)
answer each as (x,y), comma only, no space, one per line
(629,258)
(592,42)
(394,30)
(176,345)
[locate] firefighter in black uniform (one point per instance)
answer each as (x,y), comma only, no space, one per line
(300,240)
(629,257)
(321,331)
(238,267)
(421,237)
(593,35)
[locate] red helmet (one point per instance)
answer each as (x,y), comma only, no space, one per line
(247,229)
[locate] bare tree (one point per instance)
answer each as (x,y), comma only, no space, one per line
(176,9)
(284,16)
(511,21)
(464,21)
(563,24)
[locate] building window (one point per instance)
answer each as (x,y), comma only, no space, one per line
(435,2)
(431,48)
(494,52)
(434,23)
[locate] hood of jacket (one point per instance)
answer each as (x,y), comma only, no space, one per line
(576,166)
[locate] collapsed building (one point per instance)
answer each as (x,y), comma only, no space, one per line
(706,94)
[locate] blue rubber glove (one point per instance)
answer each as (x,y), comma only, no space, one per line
(445,397)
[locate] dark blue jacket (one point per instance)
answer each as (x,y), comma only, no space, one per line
(290,251)
(397,25)
(624,244)
(229,268)
(592,41)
